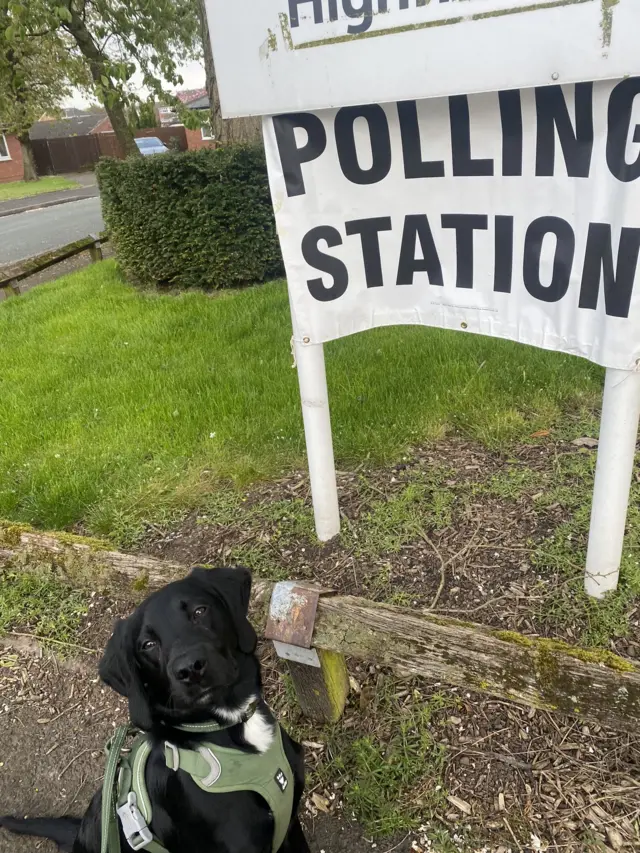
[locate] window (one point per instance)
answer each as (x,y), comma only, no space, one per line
(206,131)
(4,148)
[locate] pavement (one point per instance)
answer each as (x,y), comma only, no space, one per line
(25,234)
(87,189)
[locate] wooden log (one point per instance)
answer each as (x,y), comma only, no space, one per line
(535,672)
(14,273)
(540,673)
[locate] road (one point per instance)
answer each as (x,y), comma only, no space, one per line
(28,234)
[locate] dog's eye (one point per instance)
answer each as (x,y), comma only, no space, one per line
(148,645)
(198,612)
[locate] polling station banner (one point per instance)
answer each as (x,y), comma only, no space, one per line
(514,214)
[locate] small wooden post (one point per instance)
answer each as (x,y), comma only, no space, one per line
(319,676)
(10,288)
(96,250)
(321,691)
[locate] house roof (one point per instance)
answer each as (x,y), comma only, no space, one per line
(199,103)
(187,96)
(76,126)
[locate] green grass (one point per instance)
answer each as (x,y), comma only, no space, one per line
(24,189)
(118,404)
(41,605)
(393,775)
(594,623)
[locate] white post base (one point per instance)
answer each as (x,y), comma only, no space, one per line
(317,429)
(614,469)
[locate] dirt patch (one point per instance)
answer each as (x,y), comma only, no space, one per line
(493,538)
(55,718)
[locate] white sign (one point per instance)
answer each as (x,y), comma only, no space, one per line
(283,55)
(513,214)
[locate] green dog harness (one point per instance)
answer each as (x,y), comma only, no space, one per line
(215,769)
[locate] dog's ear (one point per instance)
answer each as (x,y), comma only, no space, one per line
(118,669)
(233,587)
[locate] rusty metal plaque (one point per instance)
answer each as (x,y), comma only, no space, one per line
(292,614)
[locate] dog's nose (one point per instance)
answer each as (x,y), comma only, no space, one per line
(190,669)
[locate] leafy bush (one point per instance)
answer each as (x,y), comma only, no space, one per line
(193,219)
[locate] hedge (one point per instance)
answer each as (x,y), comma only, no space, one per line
(192,219)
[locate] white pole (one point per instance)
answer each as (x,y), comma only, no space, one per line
(317,429)
(614,469)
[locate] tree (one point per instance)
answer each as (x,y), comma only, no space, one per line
(147,116)
(115,40)
(36,74)
(225,131)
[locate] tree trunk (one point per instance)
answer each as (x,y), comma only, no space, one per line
(225,131)
(30,172)
(111,98)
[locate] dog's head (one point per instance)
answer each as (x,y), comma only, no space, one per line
(186,650)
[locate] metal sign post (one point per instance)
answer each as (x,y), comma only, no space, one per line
(614,470)
(317,430)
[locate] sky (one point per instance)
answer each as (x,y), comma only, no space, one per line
(192,73)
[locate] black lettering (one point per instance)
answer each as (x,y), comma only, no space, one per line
(369,230)
(463,164)
(333,10)
(619,120)
(325,263)
(465,224)
(416,227)
(414,165)
(618,285)
(376,119)
(553,115)
(503,272)
(562,262)
(294,19)
(365,11)
(511,118)
(292,157)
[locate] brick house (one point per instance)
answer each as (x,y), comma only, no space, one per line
(202,138)
(11,168)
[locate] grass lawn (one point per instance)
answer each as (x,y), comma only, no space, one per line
(23,189)
(116,402)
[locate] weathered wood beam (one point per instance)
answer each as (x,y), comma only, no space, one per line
(12,274)
(530,671)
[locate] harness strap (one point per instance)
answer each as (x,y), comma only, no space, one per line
(201,764)
(110,836)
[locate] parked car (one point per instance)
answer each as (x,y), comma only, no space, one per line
(150,145)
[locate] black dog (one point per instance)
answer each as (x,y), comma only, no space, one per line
(186,655)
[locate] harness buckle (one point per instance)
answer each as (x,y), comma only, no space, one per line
(134,826)
(175,755)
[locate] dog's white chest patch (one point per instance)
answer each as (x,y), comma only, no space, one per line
(259,732)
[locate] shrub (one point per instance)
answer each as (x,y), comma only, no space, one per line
(193,219)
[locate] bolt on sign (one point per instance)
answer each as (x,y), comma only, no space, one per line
(472,165)
(286,55)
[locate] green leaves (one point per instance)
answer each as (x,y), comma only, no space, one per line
(64,14)
(58,45)
(36,69)
(192,219)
